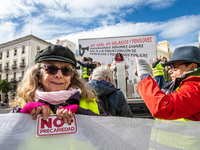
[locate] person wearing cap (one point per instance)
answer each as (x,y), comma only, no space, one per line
(179,99)
(158,73)
(52,86)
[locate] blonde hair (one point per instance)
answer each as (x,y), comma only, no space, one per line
(30,82)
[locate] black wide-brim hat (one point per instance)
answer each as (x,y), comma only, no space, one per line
(185,54)
(56,53)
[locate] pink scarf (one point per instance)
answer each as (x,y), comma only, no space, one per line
(54,97)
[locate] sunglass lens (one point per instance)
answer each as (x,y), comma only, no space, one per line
(66,71)
(52,70)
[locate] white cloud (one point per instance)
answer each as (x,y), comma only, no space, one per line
(7,30)
(61,19)
(173,47)
(180,26)
(73,8)
(160,4)
(14,9)
(174,30)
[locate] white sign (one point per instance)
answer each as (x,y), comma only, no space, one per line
(54,126)
(103,50)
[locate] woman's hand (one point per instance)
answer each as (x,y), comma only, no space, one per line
(64,114)
(34,108)
(143,66)
(44,109)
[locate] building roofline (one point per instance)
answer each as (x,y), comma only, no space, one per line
(22,39)
(159,50)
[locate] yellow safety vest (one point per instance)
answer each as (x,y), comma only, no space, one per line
(84,104)
(85,71)
(178,134)
(158,70)
(160,138)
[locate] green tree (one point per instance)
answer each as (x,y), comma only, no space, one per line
(5,86)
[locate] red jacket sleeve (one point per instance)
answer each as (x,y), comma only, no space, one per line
(183,103)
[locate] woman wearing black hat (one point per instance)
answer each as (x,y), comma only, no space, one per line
(53,86)
(178,99)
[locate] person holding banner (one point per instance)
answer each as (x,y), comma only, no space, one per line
(52,86)
(118,59)
(179,99)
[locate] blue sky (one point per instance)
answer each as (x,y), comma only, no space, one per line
(177,21)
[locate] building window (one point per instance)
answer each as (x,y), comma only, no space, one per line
(15,51)
(14,75)
(38,49)
(15,62)
(7,54)
(23,61)
(0,66)
(0,55)
(23,49)
(7,64)
(7,77)
(0,77)
(22,73)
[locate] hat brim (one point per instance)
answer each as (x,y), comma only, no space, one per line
(175,61)
(56,59)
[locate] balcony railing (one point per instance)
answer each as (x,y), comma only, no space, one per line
(20,78)
(14,66)
(6,67)
(22,65)
(13,80)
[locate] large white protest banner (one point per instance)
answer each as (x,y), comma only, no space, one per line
(103,50)
(18,132)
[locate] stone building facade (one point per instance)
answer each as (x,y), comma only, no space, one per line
(16,56)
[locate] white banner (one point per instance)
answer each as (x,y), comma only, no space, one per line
(103,50)
(18,132)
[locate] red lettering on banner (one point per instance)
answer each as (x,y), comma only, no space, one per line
(92,45)
(71,121)
(141,40)
(100,44)
(56,124)
(48,123)
(122,42)
(108,43)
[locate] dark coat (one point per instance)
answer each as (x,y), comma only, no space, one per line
(117,102)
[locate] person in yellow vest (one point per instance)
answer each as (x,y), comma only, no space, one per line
(52,86)
(83,67)
(158,73)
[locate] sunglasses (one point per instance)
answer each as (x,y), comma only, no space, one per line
(51,69)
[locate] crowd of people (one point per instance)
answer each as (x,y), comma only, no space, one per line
(54,86)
